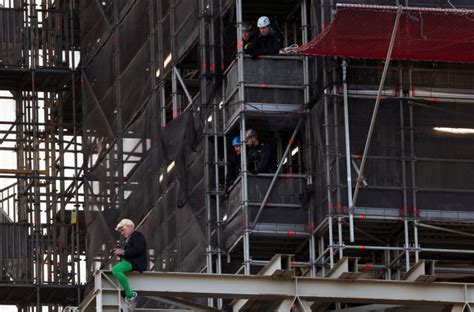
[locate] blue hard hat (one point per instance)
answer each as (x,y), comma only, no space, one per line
(236,141)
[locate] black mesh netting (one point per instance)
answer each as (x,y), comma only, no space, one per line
(440,179)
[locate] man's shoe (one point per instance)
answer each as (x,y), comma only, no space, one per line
(132,302)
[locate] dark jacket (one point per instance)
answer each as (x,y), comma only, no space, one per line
(247,44)
(260,158)
(233,170)
(266,45)
(135,251)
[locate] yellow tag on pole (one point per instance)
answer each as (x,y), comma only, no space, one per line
(73,217)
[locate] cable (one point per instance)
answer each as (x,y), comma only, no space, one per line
(449,2)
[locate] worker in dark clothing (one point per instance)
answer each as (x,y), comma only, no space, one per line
(269,41)
(233,166)
(248,36)
(132,258)
(259,155)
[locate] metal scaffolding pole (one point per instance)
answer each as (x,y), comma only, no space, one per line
(203,47)
(413,175)
(308,146)
(76,256)
(327,154)
(216,137)
(360,176)
(36,212)
(404,178)
(348,149)
(243,157)
(174,92)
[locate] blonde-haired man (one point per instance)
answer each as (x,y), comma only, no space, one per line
(132,258)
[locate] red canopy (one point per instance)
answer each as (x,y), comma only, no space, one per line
(424,34)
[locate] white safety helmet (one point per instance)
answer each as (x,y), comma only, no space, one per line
(263,21)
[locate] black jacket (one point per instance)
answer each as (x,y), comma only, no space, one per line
(233,170)
(135,251)
(247,44)
(260,158)
(266,45)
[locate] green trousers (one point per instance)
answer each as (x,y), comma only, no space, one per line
(119,271)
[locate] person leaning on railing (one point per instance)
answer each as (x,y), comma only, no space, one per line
(233,166)
(259,155)
(248,35)
(269,41)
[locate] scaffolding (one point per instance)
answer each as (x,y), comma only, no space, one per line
(410,194)
(164,90)
(41,204)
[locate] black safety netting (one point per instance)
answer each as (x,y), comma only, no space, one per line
(15,252)
(135,84)
(47,29)
(11,37)
(272,85)
(132,34)
(100,80)
(98,125)
(139,157)
(162,186)
(186,14)
(95,27)
(414,153)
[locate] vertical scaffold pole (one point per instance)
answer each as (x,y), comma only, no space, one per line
(348,148)
(327,154)
(243,158)
(404,175)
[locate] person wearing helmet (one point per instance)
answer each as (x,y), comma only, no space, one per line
(233,165)
(269,41)
(259,154)
(248,35)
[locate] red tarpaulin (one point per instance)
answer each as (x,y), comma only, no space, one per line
(364,31)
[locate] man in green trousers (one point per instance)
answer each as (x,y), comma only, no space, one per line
(132,258)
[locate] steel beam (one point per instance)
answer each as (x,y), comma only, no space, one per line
(279,265)
(422,271)
(188,305)
(346,268)
(310,289)
(366,308)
